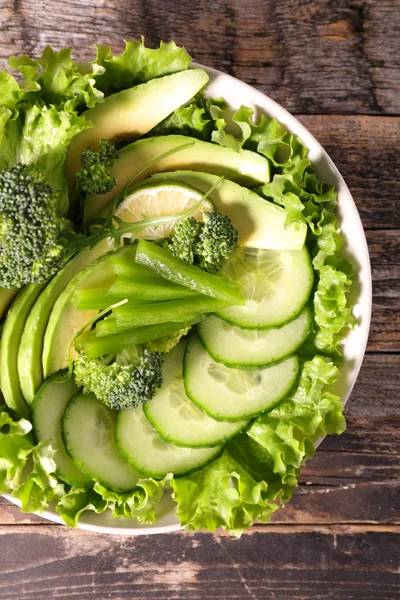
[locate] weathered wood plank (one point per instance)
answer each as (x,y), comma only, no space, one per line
(365,150)
(277,562)
(312,57)
(384,249)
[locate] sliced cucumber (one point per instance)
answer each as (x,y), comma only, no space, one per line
(47,411)
(233,394)
(66,320)
(177,419)
(141,445)
(88,433)
(237,347)
(275,285)
(10,339)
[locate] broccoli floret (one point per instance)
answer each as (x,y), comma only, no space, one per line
(94,175)
(184,240)
(166,343)
(119,386)
(30,230)
(217,240)
(205,244)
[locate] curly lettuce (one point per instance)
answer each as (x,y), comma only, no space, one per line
(136,64)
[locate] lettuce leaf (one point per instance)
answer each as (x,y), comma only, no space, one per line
(32,128)
(26,471)
(54,79)
(192,120)
(45,136)
(141,503)
(226,494)
(41,486)
(136,64)
(78,500)
(15,448)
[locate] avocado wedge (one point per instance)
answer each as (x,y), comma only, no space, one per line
(245,167)
(30,369)
(261,224)
(6,297)
(66,320)
(9,344)
(131,113)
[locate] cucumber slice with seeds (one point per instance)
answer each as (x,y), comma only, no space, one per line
(47,410)
(276,286)
(88,433)
(147,452)
(248,348)
(177,419)
(229,394)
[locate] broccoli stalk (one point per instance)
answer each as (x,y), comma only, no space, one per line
(94,176)
(205,244)
(120,386)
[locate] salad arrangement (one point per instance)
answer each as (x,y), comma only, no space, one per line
(173,294)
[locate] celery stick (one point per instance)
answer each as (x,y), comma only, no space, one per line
(94,346)
(126,287)
(176,270)
(97,299)
(121,266)
(107,327)
(175,311)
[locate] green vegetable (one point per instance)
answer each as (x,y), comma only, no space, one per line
(155,288)
(183,309)
(137,64)
(94,346)
(205,243)
(30,230)
(192,120)
(176,270)
(94,175)
(218,238)
(120,386)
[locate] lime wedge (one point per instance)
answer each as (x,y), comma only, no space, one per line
(163,199)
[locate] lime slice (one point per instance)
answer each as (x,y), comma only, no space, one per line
(163,199)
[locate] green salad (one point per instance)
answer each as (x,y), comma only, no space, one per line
(173,295)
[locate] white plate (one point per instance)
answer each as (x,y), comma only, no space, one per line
(237,93)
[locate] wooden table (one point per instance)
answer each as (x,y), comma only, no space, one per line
(336,65)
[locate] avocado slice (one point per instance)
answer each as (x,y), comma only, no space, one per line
(132,113)
(245,167)
(9,344)
(30,369)
(6,297)
(261,224)
(65,320)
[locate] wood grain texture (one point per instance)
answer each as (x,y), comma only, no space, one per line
(337,66)
(312,57)
(278,562)
(366,151)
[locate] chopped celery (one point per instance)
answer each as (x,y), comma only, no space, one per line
(93,346)
(126,287)
(99,298)
(184,309)
(176,270)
